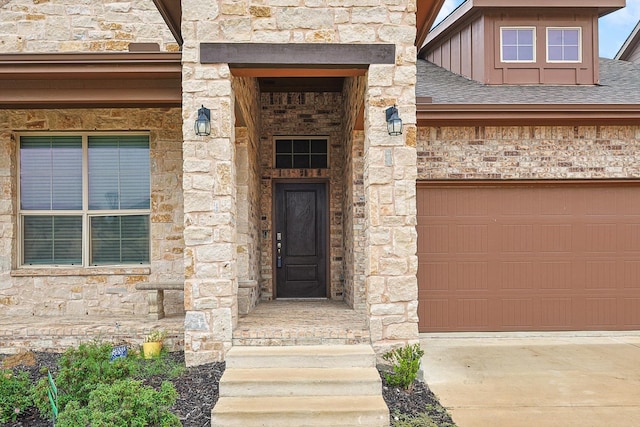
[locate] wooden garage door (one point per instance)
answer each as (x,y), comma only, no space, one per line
(529,257)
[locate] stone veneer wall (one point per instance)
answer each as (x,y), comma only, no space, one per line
(528,152)
(93,291)
(303,114)
(353,202)
(81,26)
(211,258)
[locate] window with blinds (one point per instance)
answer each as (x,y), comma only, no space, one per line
(84,199)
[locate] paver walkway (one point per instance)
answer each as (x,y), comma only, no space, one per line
(548,380)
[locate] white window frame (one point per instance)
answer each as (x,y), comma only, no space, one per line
(564,61)
(518,61)
(301,137)
(84,212)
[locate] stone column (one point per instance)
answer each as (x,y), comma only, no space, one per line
(390,196)
(210,234)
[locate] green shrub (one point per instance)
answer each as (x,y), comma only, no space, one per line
(420,420)
(82,369)
(406,363)
(125,403)
(15,395)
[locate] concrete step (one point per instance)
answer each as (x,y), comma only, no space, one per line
(300,382)
(303,411)
(311,356)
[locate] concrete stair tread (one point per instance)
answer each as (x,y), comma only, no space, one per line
(311,356)
(305,404)
(301,374)
(302,350)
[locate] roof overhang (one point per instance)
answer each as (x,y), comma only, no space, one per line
(525,114)
(171,11)
(73,80)
(630,44)
(425,17)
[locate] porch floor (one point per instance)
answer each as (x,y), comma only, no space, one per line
(55,333)
(301,322)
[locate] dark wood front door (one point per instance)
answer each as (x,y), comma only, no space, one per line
(301,240)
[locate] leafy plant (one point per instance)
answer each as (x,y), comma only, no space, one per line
(156,336)
(82,369)
(420,420)
(124,403)
(15,394)
(405,363)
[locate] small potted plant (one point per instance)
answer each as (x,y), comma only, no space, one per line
(153,343)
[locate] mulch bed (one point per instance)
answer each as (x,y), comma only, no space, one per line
(198,390)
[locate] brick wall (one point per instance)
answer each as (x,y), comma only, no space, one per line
(95,290)
(81,26)
(528,152)
(303,114)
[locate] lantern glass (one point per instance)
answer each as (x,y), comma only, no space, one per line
(202,126)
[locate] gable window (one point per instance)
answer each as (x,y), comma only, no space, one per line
(84,199)
(563,44)
(517,44)
(301,153)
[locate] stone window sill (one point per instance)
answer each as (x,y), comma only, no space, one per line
(80,271)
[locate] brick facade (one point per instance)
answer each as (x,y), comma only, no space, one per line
(528,152)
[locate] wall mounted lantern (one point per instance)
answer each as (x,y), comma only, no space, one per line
(394,123)
(203,122)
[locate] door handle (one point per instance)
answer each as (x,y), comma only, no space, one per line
(279,250)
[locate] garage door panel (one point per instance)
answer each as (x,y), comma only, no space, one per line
(631,312)
(561,257)
(555,275)
(469,205)
(601,274)
(630,238)
(601,313)
(472,313)
(555,313)
(470,275)
(600,238)
(631,274)
(555,238)
(471,238)
(517,275)
(436,274)
(436,239)
(517,313)
(516,238)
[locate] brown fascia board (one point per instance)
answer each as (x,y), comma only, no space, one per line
(90,65)
(74,80)
(426,15)
(171,12)
(630,44)
(525,114)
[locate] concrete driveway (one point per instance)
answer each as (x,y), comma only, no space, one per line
(520,380)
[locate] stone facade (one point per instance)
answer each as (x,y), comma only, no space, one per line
(528,152)
(94,291)
(212,223)
(211,196)
(48,26)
